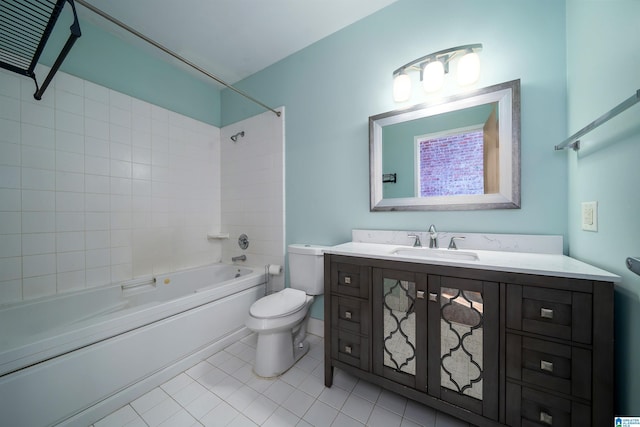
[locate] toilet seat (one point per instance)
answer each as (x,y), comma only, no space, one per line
(280,304)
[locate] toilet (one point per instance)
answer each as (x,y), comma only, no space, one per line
(280,319)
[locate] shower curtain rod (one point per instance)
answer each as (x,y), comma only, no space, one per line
(175,55)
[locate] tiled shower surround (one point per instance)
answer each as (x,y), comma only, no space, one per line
(97,187)
(252,194)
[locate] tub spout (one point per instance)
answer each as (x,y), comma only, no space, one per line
(239,258)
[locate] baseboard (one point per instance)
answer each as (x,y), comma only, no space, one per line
(315,327)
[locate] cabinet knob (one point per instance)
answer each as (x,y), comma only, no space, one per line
(347,280)
(546,365)
(546,313)
(546,418)
(347,315)
(420,294)
(433,296)
(347,349)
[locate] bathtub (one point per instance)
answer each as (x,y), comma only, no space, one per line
(74,358)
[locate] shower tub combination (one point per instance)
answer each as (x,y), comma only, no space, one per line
(74,358)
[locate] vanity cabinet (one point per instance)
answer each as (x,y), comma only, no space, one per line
(350,313)
(492,348)
(437,334)
(559,353)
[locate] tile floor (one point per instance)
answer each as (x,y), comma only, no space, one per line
(223,391)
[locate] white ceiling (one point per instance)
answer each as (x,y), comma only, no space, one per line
(231,39)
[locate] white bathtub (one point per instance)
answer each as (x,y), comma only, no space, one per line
(74,358)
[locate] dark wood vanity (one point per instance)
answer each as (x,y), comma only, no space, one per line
(489,347)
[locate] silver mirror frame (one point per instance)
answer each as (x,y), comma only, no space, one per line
(508,97)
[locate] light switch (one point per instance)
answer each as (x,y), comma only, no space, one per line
(590,216)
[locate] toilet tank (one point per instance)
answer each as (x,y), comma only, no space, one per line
(306,268)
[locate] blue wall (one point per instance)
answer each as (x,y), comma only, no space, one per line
(332,87)
(603,63)
(140,71)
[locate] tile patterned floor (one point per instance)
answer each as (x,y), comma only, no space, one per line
(223,391)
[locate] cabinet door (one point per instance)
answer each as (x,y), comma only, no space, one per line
(399,346)
(463,353)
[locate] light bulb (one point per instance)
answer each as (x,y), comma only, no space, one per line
(401,87)
(433,76)
(468,69)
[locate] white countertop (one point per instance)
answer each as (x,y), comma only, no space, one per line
(515,262)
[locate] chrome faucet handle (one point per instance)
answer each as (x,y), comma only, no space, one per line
(417,243)
(452,243)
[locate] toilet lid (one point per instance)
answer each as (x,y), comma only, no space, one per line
(280,304)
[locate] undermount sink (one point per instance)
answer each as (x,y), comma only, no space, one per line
(451,254)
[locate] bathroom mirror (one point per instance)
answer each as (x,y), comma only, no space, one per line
(460,153)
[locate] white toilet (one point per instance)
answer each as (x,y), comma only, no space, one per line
(280,319)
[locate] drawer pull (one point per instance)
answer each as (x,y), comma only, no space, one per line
(433,297)
(546,313)
(347,315)
(546,366)
(420,294)
(347,280)
(347,349)
(546,418)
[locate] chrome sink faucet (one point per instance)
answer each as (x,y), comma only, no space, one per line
(433,237)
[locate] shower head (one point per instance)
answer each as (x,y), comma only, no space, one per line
(234,138)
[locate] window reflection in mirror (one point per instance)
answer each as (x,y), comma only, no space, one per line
(458,156)
(460,153)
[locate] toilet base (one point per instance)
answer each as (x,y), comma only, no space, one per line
(275,353)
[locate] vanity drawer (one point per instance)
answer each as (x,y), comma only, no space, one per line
(350,314)
(350,348)
(551,312)
(528,408)
(350,279)
(551,365)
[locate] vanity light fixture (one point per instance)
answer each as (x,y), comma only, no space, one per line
(434,67)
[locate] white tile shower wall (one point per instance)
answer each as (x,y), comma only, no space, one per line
(253,190)
(97,187)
